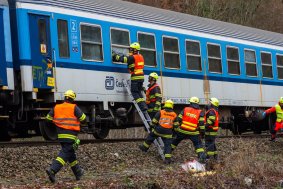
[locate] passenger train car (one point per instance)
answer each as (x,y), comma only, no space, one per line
(60,45)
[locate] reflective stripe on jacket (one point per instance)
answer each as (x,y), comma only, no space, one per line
(167,119)
(148,99)
(215,126)
(64,117)
(279,113)
(137,73)
(190,119)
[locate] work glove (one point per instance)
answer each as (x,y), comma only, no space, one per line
(76,144)
(144,90)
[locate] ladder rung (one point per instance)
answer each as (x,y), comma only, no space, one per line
(39,118)
(4,117)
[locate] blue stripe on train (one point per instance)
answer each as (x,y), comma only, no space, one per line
(180,74)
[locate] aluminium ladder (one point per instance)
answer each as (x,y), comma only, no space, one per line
(146,120)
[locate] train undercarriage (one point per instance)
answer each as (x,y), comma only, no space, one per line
(22,115)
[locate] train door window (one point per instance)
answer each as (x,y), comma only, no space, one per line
(91,42)
(214,58)
(279,59)
(193,55)
(266,64)
(120,41)
(42,36)
(171,52)
(233,61)
(63,40)
(148,49)
(250,62)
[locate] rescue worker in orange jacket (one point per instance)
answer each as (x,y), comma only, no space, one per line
(67,117)
(162,124)
(153,95)
(135,63)
(190,124)
(211,128)
(278,108)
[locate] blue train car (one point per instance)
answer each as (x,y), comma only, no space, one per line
(6,68)
(241,66)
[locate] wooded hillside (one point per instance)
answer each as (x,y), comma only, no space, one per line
(262,14)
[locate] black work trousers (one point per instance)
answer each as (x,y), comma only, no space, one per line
(136,90)
(66,154)
(210,146)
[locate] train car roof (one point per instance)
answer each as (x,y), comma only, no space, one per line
(3,2)
(142,13)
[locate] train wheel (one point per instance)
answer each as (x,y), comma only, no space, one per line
(48,130)
(4,134)
(101,131)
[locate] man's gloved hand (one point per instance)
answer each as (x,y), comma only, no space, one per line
(76,144)
(144,89)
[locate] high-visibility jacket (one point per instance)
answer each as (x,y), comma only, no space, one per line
(137,72)
(167,119)
(215,126)
(64,117)
(279,113)
(190,119)
(148,91)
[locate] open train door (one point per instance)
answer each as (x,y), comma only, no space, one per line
(41,52)
(3,63)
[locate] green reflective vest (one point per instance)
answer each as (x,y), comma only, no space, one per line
(279,113)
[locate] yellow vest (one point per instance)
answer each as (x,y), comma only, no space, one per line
(279,113)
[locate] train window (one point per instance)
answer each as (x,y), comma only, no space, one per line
(91,42)
(214,58)
(279,59)
(63,41)
(171,52)
(42,36)
(148,49)
(233,60)
(193,55)
(266,64)
(120,41)
(250,62)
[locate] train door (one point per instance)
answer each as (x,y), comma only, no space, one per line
(41,54)
(3,69)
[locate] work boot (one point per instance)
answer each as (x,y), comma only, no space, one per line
(78,171)
(167,161)
(51,175)
(143,148)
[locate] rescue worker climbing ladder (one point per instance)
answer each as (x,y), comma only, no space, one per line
(67,117)
(190,124)
(135,63)
(153,95)
(162,126)
(211,128)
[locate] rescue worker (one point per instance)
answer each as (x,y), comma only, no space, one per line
(211,128)
(153,95)
(162,124)
(135,63)
(190,122)
(67,117)
(278,108)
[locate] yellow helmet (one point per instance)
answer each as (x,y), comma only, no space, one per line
(135,46)
(281,100)
(153,75)
(70,93)
(194,100)
(214,102)
(169,104)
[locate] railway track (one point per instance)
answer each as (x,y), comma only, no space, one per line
(96,141)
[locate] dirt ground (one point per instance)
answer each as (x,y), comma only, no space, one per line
(244,163)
